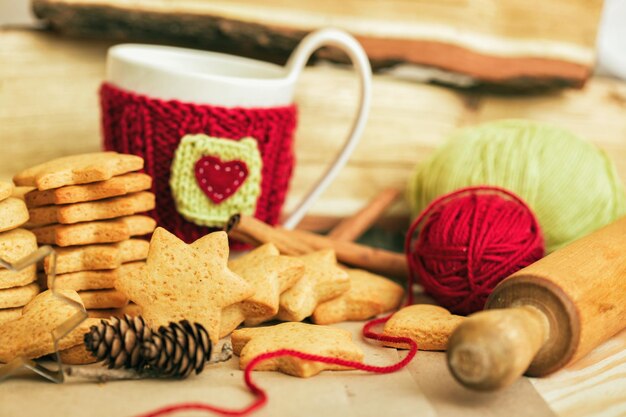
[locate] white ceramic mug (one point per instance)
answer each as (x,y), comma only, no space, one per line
(186,75)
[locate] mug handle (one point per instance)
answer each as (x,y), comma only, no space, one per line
(295,65)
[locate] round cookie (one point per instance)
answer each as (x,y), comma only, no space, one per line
(18,296)
(13,213)
(430,326)
(14,245)
(12,279)
(6,189)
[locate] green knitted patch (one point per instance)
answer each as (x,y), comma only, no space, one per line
(191,202)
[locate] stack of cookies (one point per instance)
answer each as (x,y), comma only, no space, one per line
(16,288)
(86,207)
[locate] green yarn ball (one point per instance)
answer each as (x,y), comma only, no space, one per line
(570,184)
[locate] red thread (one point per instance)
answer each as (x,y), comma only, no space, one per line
(467,242)
(152,128)
(218,179)
(261,396)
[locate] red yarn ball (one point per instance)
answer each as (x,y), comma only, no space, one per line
(470,240)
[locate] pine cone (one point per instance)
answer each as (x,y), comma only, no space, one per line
(119,342)
(174,351)
(177,350)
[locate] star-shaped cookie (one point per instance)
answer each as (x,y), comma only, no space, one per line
(30,335)
(308,338)
(78,169)
(270,274)
(232,317)
(322,280)
(181,281)
(369,296)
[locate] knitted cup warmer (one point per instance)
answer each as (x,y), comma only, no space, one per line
(207,162)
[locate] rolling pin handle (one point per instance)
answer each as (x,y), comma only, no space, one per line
(492,348)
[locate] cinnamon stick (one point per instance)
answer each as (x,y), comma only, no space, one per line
(351,228)
(296,242)
(372,259)
(250,230)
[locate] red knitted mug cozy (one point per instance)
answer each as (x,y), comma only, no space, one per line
(153,128)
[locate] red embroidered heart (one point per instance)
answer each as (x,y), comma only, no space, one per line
(218,179)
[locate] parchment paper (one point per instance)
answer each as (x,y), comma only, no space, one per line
(426,390)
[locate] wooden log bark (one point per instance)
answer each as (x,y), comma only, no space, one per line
(518,44)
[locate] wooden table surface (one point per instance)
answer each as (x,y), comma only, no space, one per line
(594,386)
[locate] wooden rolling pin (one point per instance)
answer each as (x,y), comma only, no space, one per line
(546,315)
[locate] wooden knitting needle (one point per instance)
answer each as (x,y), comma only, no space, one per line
(351,228)
(546,315)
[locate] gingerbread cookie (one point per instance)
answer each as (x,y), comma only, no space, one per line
(20,192)
(31,334)
(100,231)
(270,274)
(18,296)
(106,313)
(10,314)
(14,245)
(116,186)
(78,169)
(428,325)
(92,280)
(308,338)
(6,189)
(77,355)
(98,299)
(322,280)
(102,256)
(369,295)
(182,281)
(92,210)
(232,317)
(12,279)
(13,213)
